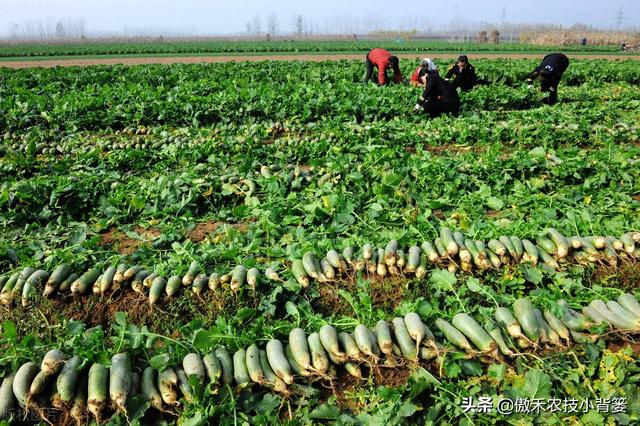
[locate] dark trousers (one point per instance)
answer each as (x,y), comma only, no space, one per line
(550,85)
(436,108)
(369,71)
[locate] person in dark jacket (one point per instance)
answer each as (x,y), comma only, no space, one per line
(550,72)
(426,63)
(383,60)
(438,97)
(463,73)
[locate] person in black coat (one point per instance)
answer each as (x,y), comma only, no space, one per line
(463,73)
(439,96)
(550,72)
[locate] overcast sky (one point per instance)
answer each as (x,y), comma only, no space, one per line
(231,16)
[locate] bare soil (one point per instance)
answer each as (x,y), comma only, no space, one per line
(48,63)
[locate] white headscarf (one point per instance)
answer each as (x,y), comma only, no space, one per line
(429,64)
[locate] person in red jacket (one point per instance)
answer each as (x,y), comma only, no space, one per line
(383,60)
(426,63)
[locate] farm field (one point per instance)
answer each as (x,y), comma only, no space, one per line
(283,243)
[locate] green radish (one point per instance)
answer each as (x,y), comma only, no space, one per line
(131,272)
(272,275)
(59,274)
(611,317)
(240,372)
(547,259)
(524,313)
(118,277)
(635,236)
(362,337)
(417,329)
(367,251)
(465,255)
(575,242)
(396,350)
(137,283)
(401,259)
(557,325)
(6,297)
(271,377)
(149,388)
(482,249)
(226,363)
(97,386)
(547,334)
(494,259)
(37,279)
(184,385)
(173,286)
(238,277)
(413,260)
(329,339)
(107,279)
(96,285)
(134,390)
(309,262)
(404,340)
(630,303)
(7,398)
(572,319)
(297,369)
(22,279)
(300,347)
(446,237)
(582,338)
(421,271)
(86,281)
(22,382)
(547,245)
(517,244)
(531,252)
(299,273)
(623,313)
(39,384)
(494,331)
(375,349)
(471,248)
(429,353)
(52,362)
(508,244)
(327,269)
(253,278)
(120,380)
(497,247)
(193,366)
(458,237)
(560,242)
(347,254)
(214,281)
(253,364)
(628,244)
(474,332)
(382,267)
(167,383)
(430,251)
(441,248)
(349,345)
(79,405)
(594,315)
(319,358)
(390,255)
(278,360)
(599,242)
(68,378)
(617,244)
(199,283)
(66,284)
(453,335)
(588,247)
(158,286)
(194,267)
(353,369)
(212,367)
(383,335)
(146,283)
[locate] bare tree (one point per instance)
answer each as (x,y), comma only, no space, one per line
(272,24)
(257,24)
(248,27)
(299,25)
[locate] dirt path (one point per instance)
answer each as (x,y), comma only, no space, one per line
(48,63)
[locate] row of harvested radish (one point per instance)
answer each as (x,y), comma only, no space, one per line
(451,250)
(65,382)
(456,252)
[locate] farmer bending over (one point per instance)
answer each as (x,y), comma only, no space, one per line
(383,60)
(463,73)
(426,63)
(438,97)
(550,72)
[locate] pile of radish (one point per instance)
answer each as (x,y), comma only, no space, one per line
(69,383)
(451,250)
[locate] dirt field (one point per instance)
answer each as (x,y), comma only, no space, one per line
(47,63)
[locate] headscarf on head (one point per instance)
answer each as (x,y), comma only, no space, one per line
(428,64)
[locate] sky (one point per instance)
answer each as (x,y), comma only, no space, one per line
(230,16)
